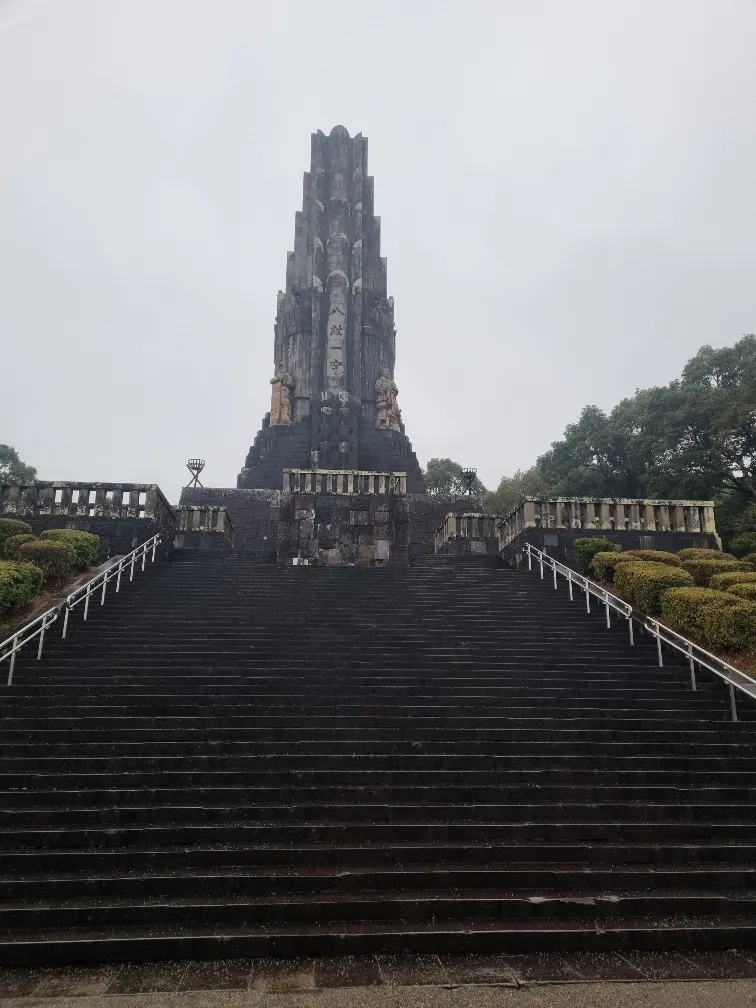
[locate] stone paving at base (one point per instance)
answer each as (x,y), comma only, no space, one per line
(110,980)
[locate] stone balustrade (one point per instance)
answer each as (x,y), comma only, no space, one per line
(607,514)
(86,500)
(344,481)
(203,518)
(469,526)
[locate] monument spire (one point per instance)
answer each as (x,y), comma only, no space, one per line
(334,338)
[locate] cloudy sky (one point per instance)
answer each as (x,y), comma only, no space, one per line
(566,193)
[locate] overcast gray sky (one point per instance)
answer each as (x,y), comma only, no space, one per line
(566,192)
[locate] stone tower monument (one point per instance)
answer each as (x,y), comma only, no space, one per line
(333,395)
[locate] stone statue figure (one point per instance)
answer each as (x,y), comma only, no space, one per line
(387,412)
(280,398)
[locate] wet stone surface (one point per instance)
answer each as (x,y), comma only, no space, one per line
(297,975)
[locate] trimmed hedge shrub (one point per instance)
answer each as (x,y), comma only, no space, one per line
(724,581)
(603,565)
(731,629)
(745,589)
(642,583)
(10,527)
(19,582)
(750,558)
(656,556)
(586,549)
(56,560)
(703,570)
(743,543)
(694,552)
(85,545)
(13,543)
(682,608)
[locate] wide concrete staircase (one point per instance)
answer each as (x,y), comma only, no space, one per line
(233,759)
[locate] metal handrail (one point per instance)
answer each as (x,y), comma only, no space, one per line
(735,678)
(696,655)
(608,600)
(83,593)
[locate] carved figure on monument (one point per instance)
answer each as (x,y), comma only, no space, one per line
(387,412)
(280,397)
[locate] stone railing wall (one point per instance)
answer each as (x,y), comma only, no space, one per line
(607,514)
(86,500)
(469,532)
(344,481)
(200,518)
(123,515)
(203,527)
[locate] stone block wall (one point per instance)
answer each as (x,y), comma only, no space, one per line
(360,529)
(558,542)
(253,514)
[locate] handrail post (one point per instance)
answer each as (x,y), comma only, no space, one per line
(540,560)
(692,668)
(65,621)
(144,556)
(530,556)
(118,579)
(608,617)
(569,584)
(587,599)
(659,649)
(131,573)
(630,627)
(42,637)
(733,708)
(86,603)
(104,587)
(555,580)
(13,660)
(154,547)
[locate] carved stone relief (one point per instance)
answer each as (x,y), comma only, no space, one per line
(387,412)
(280,398)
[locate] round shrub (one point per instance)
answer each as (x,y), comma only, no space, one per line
(694,552)
(11,527)
(746,590)
(19,582)
(750,558)
(85,545)
(604,565)
(586,549)
(56,560)
(656,556)
(682,608)
(642,583)
(743,543)
(13,543)
(732,629)
(703,569)
(724,581)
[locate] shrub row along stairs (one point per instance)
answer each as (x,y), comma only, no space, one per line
(237,759)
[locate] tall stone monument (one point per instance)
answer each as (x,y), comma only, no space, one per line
(333,396)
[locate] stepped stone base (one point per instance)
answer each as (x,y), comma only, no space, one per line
(255,515)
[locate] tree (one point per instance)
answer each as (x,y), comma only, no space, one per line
(12,469)
(512,489)
(444,476)
(706,426)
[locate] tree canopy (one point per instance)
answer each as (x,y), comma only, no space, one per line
(12,469)
(444,475)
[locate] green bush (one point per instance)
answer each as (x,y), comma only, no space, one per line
(731,629)
(719,620)
(745,589)
(703,570)
(11,527)
(586,549)
(19,582)
(85,545)
(750,558)
(693,553)
(656,556)
(56,560)
(13,543)
(724,581)
(604,565)
(682,608)
(643,582)
(743,543)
